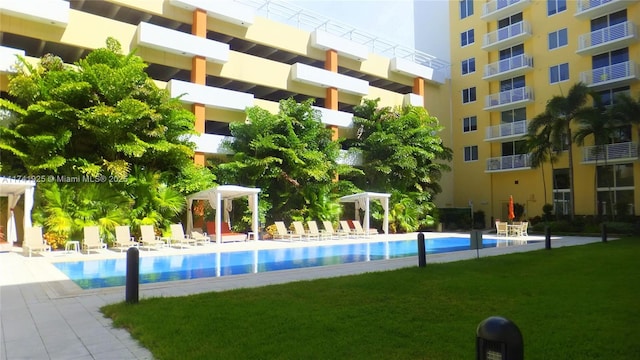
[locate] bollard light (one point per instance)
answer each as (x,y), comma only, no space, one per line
(133,275)
(422,251)
(498,338)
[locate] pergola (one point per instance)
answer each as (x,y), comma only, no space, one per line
(362,201)
(216,195)
(13,189)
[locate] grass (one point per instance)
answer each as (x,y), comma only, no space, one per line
(579,302)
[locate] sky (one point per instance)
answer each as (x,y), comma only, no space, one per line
(390,20)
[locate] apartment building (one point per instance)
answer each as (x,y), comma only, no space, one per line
(509,57)
(225,56)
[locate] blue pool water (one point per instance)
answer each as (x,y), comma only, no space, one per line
(111,272)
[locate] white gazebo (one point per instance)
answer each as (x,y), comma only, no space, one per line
(13,189)
(216,195)
(362,201)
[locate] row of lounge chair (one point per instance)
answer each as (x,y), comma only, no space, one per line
(348,228)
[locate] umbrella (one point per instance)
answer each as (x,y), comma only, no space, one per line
(511,214)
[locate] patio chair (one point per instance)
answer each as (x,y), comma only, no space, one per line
(344,224)
(34,241)
(298,228)
(178,237)
(283,234)
(331,232)
(315,231)
(124,240)
(149,239)
(92,239)
(200,238)
(358,229)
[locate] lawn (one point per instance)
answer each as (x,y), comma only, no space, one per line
(580,302)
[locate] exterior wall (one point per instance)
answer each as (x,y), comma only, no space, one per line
(491,189)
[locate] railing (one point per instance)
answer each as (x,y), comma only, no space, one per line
(507,32)
(505,65)
(606,35)
(509,129)
(606,74)
(308,20)
(610,152)
(495,5)
(508,97)
(584,5)
(511,162)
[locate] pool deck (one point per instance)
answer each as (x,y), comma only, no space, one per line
(44,315)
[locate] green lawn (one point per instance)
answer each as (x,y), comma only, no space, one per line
(580,302)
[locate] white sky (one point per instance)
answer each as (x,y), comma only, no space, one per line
(390,19)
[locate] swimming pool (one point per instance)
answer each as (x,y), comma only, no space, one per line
(112,272)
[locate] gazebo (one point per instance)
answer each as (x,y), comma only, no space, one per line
(216,195)
(13,189)
(362,201)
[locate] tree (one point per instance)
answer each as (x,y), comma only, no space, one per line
(540,147)
(557,119)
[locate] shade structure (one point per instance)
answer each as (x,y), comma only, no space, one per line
(512,214)
(13,189)
(362,201)
(216,196)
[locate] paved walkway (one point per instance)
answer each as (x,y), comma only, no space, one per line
(43,315)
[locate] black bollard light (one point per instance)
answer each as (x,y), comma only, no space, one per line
(133,276)
(498,338)
(547,237)
(603,232)
(422,251)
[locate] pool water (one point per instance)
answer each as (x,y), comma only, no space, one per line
(112,272)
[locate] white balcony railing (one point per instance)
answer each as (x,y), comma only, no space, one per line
(506,99)
(612,153)
(508,35)
(514,129)
(608,38)
(495,9)
(508,66)
(506,163)
(591,9)
(613,74)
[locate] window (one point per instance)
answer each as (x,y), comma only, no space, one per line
(469,124)
(514,148)
(561,192)
(615,189)
(558,39)
(559,73)
(513,83)
(467,38)
(511,116)
(469,95)
(466,8)
(608,97)
(609,65)
(471,153)
(468,66)
(556,6)
(609,27)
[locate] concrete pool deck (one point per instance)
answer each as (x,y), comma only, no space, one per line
(44,315)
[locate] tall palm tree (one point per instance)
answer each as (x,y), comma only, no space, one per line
(559,113)
(540,148)
(626,110)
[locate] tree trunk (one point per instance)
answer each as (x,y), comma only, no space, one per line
(572,207)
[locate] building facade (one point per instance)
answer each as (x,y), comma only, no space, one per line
(509,57)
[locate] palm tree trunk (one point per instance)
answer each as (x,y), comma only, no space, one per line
(572,207)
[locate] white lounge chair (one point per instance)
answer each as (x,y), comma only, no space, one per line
(124,240)
(92,240)
(315,231)
(344,224)
(284,234)
(178,236)
(298,228)
(149,239)
(200,238)
(331,232)
(360,230)
(34,241)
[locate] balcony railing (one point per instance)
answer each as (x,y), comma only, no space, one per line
(506,163)
(514,129)
(591,9)
(508,99)
(511,67)
(497,9)
(616,74)
(607,39)
(627,151)
(507,36)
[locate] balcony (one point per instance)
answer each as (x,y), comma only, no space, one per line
(508,163)
(508,100)
(591,9)
(507,36)
(613,153)
(506,131)
(508,68)
(613,75)
(498,9)
(607,39)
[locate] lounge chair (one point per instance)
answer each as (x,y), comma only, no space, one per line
(298,228)
(331,232)
(226,234)
(149,239)
(284,234)
(200,238)
(92,239)
(358,229)
(124,240)
(178,237)
(501,228)
(344,224)
(34,241)
(315,231)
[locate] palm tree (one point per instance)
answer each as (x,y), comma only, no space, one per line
(626,110)
(559,113)
(540,148)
